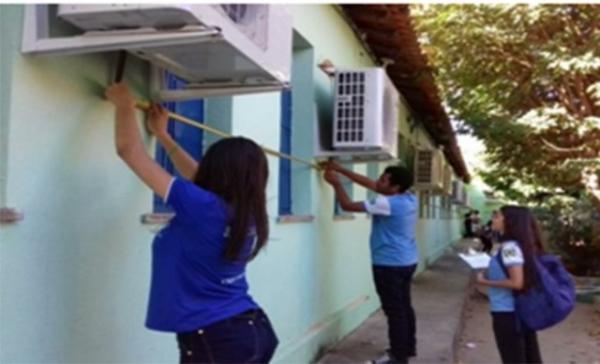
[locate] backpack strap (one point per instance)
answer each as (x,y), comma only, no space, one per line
(505,270)
(502,265)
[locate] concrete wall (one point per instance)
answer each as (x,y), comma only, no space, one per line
(74,273)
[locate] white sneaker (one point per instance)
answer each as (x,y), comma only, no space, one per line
(384,359)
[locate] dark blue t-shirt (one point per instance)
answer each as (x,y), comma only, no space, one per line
(192,284)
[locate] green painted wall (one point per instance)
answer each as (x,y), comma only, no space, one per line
(479,201)
(6,61)
(74,273)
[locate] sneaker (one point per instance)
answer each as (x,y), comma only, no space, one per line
(387,359)
(384,359)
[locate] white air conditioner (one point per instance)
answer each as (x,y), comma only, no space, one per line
(459,193)
(466,198)
(366,111)
(218,48)
(429,170)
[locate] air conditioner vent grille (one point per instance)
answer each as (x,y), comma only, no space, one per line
(424,166)
(350,107)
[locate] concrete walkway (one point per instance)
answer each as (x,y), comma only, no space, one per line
(574,341)
(439,296)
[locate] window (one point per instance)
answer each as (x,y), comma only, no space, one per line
(428,201)
(406,152)
(443,207)
(347,184)
(422,204)
(296,134)
(188,137)
(285,165)
(373,173)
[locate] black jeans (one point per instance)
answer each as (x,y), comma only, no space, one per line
(516,344)
(393,287)
(245,338)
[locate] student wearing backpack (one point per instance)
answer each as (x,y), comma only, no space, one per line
(513,270)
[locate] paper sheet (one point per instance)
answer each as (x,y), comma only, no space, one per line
(476,260)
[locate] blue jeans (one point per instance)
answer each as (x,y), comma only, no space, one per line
(393,287)
(245,338)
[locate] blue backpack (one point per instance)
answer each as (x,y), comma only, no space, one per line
(551,300)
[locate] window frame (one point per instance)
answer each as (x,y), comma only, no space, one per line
(189,138)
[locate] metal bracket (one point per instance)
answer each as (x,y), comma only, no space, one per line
(197,91)
(200,92)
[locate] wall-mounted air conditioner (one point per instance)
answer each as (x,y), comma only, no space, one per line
(219,48)
(429,170)
(366,112)
(466,198)
(459,193)
(447,189)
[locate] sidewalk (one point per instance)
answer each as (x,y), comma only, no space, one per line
(439,296)
(574,341)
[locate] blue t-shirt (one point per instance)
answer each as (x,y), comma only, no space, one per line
(502,299)
(394,220)
(192,284)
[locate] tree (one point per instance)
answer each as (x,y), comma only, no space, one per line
(526,81)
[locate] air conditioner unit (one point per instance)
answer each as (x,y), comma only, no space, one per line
(447,190)
(466,198)
(366,112)
(226,48)
(429,170)
(459,193)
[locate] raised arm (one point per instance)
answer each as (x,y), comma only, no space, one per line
(158,119)
(128,141)
(340,193)
(364,181)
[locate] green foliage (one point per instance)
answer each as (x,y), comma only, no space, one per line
(525,79)
(573,228)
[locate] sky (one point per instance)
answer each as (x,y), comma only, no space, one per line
(473,151)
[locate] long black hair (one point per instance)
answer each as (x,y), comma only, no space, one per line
(236,169)
(521,226)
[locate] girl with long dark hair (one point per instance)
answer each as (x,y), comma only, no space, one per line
(512,271)
(198,287)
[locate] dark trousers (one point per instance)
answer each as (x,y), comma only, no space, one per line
(516,344)
(245,338)
(393,287)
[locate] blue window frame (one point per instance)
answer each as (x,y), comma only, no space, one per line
(188,137)
(285,165)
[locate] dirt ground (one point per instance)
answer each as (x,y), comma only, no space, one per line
(574,341)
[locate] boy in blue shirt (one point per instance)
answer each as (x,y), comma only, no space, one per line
(393,248)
